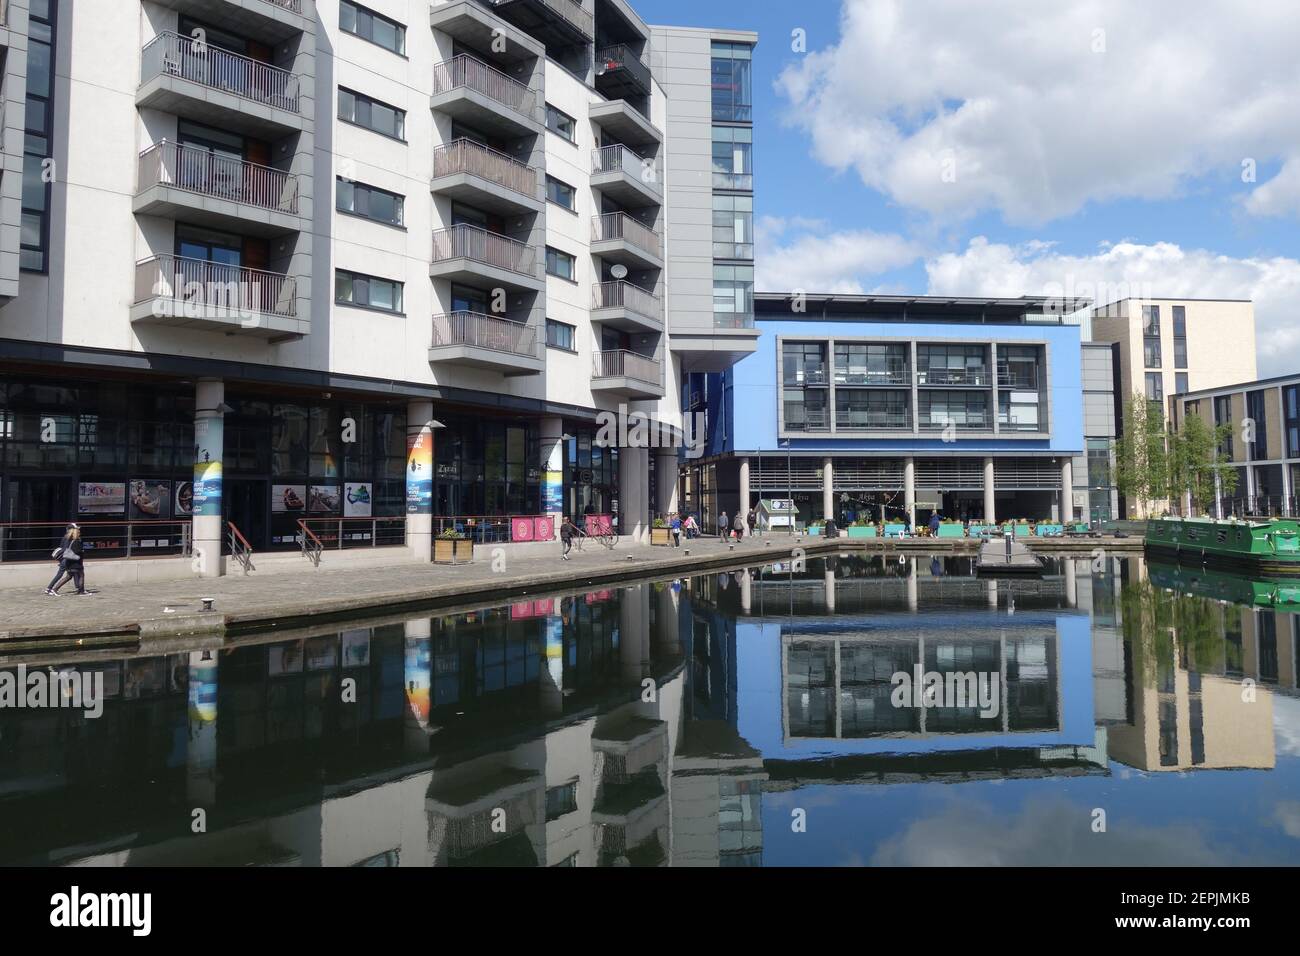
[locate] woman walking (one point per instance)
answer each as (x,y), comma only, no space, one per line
(70,564)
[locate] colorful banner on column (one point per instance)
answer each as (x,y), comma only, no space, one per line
(208,438)
(553,480)
(419,471)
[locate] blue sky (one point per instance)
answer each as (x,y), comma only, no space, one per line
(1013,147)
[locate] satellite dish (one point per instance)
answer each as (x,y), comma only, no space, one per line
(619,271)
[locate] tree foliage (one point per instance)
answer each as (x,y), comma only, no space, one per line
(1154,465)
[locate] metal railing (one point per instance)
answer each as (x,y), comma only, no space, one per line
(1020,380)
(465,241)
(810,421)
(474,159)
(293,6)
(1261,506)
(806,376)
(627,364)
(201,171)
(466,72)
(170,54)
(952,376)
(619,56)
(624,295)
(1006,425)
(485,332)
(568,10)
(968,423)
(619,225)
(311,544)
(620,159)
(240,549)
(871,420)
(199,283)
(123,538)
(318,535)
(899,376)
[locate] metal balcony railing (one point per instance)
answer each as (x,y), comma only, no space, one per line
(859,376)
(625,295)
(475,159)
(805,375)
(200,283)
(619,56)
(466,72)
(485,332)
(465,241)
(618,158)
(170,54)
(952,376)
(964,423)
(1018,378)
(201,171)
(809,421)
(1007,425)
(619,225)
(621,362)
(568,10)
(866,420)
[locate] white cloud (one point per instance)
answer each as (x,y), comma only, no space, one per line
(1036,121)
(816,260)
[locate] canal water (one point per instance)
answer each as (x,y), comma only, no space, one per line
(1112,712)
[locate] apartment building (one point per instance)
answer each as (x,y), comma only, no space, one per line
(863,407)
(15,42)
(1263,446)
(310,261)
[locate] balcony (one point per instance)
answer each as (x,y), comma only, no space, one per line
(558,22)
(197,293)
(1020,379)
(488,342)
(807,420)
(618,237)
(963,377)
(872,421)
(268,20)
(620,73)
(626,123)
(180,181)
(482,177)
(628,374)
(868,377)
(623,305)
(482,96)
(217,87)
(805,375)
(937,422)
(471,254)
(628,179)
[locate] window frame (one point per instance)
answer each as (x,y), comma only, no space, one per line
(358,13)
(569,137)
(369,101)
(367,189)
(560,255)
(365,279)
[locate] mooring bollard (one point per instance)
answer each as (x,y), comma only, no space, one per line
(207,603)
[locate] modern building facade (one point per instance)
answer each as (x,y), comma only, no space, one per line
(1264,444)
(15,134)
(1096,497)
(314,259)
(871,407)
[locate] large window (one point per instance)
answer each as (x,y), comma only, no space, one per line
(562,194)
(805,410)
(733,227)
(561,264)
(1155,387)
(361,110)
(562,124)
(1018,411)
(731,81)
(369,202)
(1180,336)
(733,297)
(1257,409)
(1151,336)
(371,292)
(1180,383)
(952,365)
(1291,411)
(733,159)
(560,335)
(486,467)
(357,20)
(34,237)
(871,364)
(857,408)
(803,363)
(1223,416)
(939,409)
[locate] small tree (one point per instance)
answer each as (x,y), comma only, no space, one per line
(1196,459)
(1142,453)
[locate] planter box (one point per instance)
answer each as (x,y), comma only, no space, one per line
(979,529)
(894,530)
(814,531)
(1049,530)
(661,536)
(951,531)
(449,551)
(863,531)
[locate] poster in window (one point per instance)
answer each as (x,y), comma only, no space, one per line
(288,498)
(356,648)
(324,499)
(357,499)
(184,505)
(101,497)
(150,499)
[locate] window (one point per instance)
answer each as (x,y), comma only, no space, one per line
(34,231)
(1180,383)
(952,365)
(353,288)
(872,408)
(733,160)
(805,410)
(561,800)
(733,297)
(871,364)
(939,409)
(731,75)
(733,227)
(1180,336)
(1223,416)
(1018,411)
(561,264)
(371,202)
(559,335)
(361,110)
(1291,412)
(1257,410)
(368,25)
(561,194)
(562,124)
(1151,337)
(1155,387)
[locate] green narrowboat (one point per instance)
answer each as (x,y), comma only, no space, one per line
(1270,547)
(1272,593)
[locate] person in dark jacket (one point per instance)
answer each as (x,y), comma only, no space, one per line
(738,526)
(675,525)
(70,563)
(568,531)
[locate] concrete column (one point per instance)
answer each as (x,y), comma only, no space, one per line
(992,593)
(419,479)
(207,521)
(666,481)
(1218,497)
(1071,582)
(828,490)
(550,686)
(201,748)
(912,585)
(633,494)
(1287,491)
(417,676)
(990,495)
(745,503)
(909,489)
(829,578)
(1067,490)
(634,632)
(746,591)
(552,465)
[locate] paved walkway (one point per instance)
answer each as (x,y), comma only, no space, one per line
(172,607)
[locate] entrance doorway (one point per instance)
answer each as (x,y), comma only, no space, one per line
(246,503)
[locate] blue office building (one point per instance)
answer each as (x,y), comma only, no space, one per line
(871,406)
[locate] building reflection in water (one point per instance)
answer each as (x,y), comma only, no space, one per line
(637,726)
